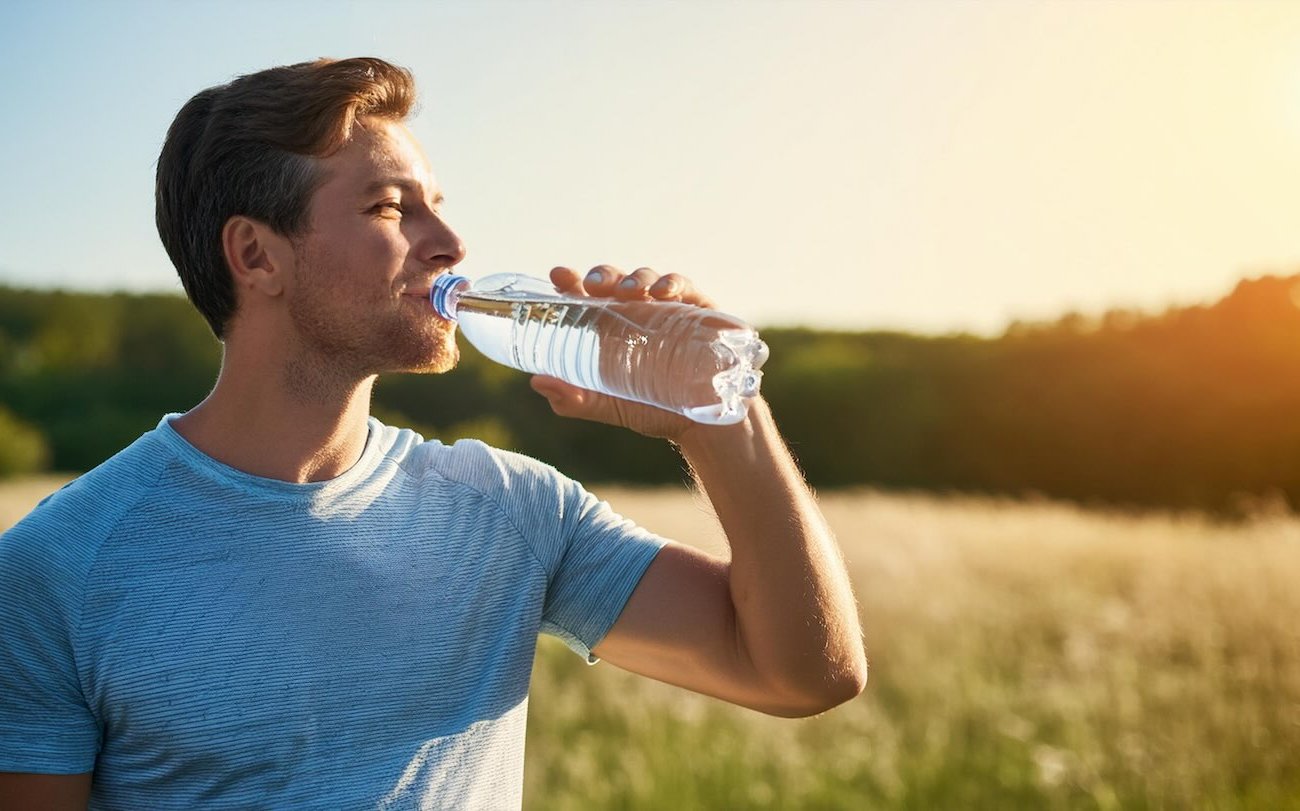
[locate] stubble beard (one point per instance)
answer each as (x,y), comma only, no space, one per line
(395,338)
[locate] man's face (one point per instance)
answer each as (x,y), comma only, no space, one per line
(359,294)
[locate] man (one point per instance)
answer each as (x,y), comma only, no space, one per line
(276,601)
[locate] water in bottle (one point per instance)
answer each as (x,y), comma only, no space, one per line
(697,362)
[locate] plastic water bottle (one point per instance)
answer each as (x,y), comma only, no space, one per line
(679,357)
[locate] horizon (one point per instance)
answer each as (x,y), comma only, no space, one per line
(1089,316)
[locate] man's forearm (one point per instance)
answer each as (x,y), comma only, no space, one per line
(796,617)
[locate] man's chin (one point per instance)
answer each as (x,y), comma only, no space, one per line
(444,359)
(427,348)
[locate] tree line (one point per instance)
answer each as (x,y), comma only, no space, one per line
(1195,407)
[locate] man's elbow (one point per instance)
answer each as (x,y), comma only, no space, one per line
(841,687)
(851,684)
(836,686)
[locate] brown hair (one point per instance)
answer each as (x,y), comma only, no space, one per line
(247,148)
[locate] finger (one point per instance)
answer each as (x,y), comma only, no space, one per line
(565,400)
(669,287)
(602,280)
(566,280)
(548,388)
(676,287)
(637,284)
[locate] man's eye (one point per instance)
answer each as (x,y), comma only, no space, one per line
(390,206)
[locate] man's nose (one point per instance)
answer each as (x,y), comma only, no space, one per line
(442,247)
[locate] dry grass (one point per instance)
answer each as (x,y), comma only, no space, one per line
(1024,655)
(19,496)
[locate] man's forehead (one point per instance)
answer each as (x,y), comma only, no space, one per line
(383,151)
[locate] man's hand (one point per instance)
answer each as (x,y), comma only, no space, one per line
(641,285)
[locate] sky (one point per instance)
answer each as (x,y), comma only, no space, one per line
(929,166)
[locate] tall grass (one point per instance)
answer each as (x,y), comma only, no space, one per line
(1024,655)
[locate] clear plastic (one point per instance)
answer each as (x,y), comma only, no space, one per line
(697,362)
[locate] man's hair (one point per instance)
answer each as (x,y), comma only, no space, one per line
(248,148)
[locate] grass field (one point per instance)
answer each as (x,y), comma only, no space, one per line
(1024,655)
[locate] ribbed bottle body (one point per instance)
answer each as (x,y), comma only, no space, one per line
(697,362)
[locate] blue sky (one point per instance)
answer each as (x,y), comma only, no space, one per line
(930,166)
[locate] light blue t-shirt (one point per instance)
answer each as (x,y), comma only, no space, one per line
(203,638)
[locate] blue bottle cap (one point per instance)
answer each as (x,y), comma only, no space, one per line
(440,294)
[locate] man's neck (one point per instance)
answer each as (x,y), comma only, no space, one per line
(296,419)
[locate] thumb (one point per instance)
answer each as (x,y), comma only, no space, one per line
(565,400)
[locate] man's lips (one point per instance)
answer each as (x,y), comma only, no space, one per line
(422,290)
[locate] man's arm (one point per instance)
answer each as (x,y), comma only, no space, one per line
(776,628)
(44,792)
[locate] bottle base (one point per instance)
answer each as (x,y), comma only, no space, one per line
(718,413)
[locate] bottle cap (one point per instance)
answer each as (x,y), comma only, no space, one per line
(440,295)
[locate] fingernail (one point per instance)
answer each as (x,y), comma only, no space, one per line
(595,276)
(628,283)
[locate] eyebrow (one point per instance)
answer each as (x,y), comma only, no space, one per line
(402,183)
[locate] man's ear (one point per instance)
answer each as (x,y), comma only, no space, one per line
(258,257)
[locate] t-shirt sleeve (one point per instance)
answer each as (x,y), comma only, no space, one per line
(600,558)
(593,558)
(45,724)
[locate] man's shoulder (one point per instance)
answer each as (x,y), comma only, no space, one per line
(78,517)
(472,463)
(517,484)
